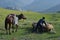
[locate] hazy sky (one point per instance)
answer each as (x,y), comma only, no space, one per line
(44,4)
(49,2)
(19,3)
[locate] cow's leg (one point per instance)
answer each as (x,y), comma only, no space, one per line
(12,28)
(9,28)
(16,28)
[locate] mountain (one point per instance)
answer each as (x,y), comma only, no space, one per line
(36,5)
(53,9)
(11,4)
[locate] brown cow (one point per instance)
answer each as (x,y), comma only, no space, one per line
(11,20)
(49,27)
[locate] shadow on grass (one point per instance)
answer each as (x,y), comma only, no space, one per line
(51,37)
(2,31)
(2,34)
(27,30)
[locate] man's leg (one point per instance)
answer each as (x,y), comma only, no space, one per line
(36,28)
(41,28)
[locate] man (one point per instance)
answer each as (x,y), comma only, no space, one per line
(40,24)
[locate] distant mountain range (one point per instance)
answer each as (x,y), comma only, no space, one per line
(37,9)
(53,9)
(35,6)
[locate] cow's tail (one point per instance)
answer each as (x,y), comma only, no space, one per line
(6,23)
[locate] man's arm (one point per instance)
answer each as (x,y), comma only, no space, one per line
(45,23)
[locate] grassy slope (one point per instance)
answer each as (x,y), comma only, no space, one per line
(24,31)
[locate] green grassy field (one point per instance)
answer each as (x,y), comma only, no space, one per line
(24,31)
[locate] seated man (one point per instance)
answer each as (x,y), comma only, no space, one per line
(40,24)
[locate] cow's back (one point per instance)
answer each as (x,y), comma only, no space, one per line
(10,18)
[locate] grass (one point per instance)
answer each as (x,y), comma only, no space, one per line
(24,31)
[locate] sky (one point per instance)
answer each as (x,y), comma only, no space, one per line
(19,3)
(43,4)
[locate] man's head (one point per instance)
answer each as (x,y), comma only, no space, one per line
(43,17)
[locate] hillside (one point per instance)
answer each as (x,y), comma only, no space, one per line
(55,8)
(24,31)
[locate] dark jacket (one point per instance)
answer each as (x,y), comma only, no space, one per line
(40,22)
